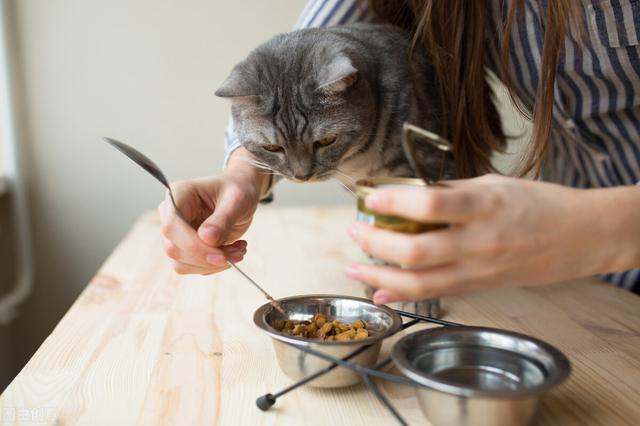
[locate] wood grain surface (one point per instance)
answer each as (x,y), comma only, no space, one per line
(142,345)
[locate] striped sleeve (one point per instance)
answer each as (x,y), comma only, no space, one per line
(231,142)
(328,13)
(316,13)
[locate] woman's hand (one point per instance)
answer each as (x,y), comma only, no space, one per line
(504,232)
(219,211)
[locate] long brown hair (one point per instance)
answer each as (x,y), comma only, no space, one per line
(454,34)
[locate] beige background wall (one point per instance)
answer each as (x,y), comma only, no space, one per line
(143,71)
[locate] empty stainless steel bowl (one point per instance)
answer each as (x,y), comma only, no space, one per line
(381,321)
(479,376)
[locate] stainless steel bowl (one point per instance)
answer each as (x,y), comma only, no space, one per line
(381,321)
(479,376)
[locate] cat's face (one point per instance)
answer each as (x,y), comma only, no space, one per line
(301,114)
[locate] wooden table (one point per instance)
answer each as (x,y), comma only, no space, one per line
(142,345)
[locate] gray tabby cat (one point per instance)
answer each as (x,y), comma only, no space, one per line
(325,102)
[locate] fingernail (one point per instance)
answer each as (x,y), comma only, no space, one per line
(381,297)
(353,232)
(236,251)
(216,259)
(373,201)
(236,256)
(353,271)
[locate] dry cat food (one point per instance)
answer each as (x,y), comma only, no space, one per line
(321,328)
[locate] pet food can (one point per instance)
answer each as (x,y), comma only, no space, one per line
(364,187)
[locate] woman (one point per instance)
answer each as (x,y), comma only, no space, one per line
(573,67)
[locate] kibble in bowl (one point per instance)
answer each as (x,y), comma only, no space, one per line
(321,328)
(334,325)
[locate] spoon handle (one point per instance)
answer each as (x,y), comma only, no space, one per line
(154,170)
(277,306)
(249,279)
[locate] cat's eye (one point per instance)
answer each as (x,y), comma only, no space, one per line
(325,142)
(272,147)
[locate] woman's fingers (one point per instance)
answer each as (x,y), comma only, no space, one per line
(189,253)
(183,265)
(231,207)
(187,198)
(457,204)
(186,239)
(384,296)
(234,252)
(412,250)
(410,284)
(186,268)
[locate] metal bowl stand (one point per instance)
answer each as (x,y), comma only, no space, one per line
(266,401)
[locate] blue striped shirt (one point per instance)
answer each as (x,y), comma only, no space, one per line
(596,137)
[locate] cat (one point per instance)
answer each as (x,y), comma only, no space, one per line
(330,102)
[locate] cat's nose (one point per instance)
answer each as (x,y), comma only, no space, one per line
(303,178)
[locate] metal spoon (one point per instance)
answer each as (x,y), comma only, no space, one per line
(153,169)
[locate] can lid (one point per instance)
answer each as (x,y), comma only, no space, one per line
(365,187)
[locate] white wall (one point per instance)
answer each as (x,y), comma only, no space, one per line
(143,71)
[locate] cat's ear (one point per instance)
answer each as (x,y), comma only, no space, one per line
(237,85)
(337,76)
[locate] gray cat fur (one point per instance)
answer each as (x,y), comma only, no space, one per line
(357,82)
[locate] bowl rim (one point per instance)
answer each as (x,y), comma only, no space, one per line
(400,360)
(259,320)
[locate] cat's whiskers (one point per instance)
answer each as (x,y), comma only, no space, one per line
(341,177)
(259,165)
(254,162)
(337,171)
(345,176)
(271,173)
(263,167)
(346,187)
